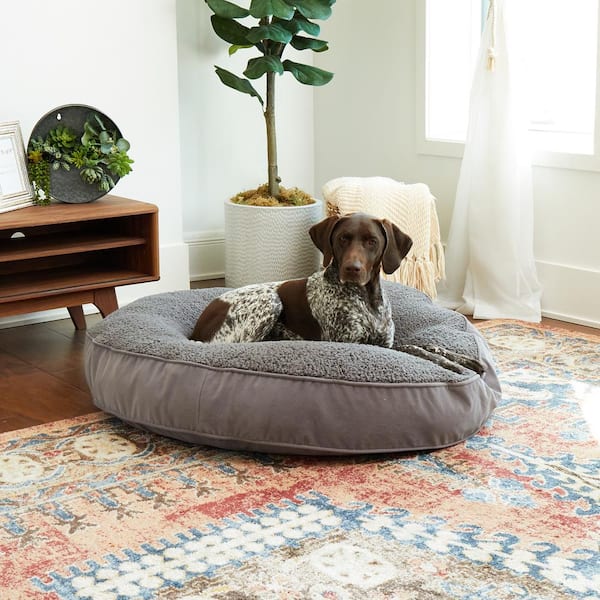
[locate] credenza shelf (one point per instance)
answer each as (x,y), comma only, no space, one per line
(56,245)
(73,254)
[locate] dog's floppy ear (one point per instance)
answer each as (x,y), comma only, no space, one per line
(321,237)
(397,246)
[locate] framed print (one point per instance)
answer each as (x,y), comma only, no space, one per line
(15,189)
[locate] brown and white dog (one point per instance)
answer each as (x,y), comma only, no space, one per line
(344,302)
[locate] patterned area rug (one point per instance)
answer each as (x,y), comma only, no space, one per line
(91,508)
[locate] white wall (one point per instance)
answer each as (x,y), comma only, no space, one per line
(365,124)
(120,57)
(223,135)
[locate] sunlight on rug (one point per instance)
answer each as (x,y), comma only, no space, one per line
(91,508)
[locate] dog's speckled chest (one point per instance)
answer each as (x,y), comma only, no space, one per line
(344,313)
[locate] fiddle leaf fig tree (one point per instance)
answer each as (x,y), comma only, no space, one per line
(279,24)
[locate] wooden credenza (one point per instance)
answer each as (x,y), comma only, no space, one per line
(66,255)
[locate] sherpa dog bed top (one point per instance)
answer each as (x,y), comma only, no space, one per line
(300,397)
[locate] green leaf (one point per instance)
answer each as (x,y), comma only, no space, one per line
(291,25)
(269,8)
(306,25)
(312,9)
(87,127)
(307,74)
(257,67)
(275,32)
(300,23)
(303,43)
(237,83)
(235,47)
(99,120)
(229,30)
(228,10)
(123,145)
(87,137)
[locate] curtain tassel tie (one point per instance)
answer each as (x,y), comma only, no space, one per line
(491,61)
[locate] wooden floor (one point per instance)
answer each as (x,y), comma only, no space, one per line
(41,371)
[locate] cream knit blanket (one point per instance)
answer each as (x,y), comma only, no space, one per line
(411,207)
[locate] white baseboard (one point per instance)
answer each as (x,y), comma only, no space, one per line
(206,254)
(570,319)
(174,275)
(41,317)
(570,294)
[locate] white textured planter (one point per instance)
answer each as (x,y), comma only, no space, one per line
(269,243)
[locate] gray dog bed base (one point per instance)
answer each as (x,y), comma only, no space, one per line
(295,397)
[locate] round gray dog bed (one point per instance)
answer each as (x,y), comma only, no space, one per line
(296,397)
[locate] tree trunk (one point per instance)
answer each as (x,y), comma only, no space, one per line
(271,137)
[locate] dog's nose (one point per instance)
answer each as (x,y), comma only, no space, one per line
(353,268)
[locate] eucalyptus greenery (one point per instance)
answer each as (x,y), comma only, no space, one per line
(279,24)
(99,154)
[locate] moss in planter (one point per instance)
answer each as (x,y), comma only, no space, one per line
(261,197)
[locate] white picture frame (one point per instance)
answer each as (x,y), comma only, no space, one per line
(15,189)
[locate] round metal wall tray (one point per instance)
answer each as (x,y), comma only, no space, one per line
(67,186)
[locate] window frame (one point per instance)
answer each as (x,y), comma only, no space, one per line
(454,149)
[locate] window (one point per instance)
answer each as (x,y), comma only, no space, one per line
(558,43)
(452,40)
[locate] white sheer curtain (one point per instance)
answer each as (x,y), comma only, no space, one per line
(490,267)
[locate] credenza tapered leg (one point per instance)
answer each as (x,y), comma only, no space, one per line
(77,316)
(106,300)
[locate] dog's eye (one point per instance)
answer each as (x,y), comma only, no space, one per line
(344,238)
(371,242)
